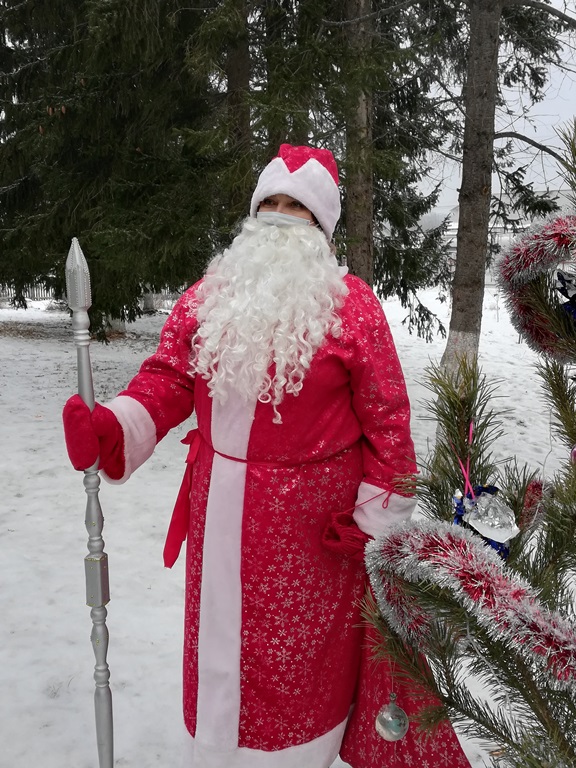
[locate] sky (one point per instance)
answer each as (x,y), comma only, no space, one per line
(46,704)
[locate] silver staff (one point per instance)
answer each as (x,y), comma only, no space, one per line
(96,562)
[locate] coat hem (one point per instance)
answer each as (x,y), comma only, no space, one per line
(318,753)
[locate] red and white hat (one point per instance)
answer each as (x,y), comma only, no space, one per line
(309,175)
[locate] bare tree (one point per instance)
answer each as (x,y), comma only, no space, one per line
(480,92)
(480,97)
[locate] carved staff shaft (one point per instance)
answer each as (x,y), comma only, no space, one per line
(96,561)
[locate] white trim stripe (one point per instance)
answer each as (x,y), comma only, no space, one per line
(219,634)
(219,637)
(318,753)
(139,434)
(376,515)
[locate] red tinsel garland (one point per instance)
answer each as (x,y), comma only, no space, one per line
(537,252)
(455,559)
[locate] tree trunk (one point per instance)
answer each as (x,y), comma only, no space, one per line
(239,128)
(148,302)
(275,19)
(115,325)
(480,92)
(359,182)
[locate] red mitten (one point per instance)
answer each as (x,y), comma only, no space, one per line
(343,536)
(93,435)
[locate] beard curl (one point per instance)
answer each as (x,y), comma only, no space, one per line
(265,306)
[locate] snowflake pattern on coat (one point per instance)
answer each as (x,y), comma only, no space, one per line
(302,649)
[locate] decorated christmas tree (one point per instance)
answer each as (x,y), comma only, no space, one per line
(475,604)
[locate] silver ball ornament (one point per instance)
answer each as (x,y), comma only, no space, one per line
(392,722)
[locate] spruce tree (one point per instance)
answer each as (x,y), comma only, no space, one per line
(102,140)
(132,127)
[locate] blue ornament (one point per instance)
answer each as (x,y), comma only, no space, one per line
(483,512)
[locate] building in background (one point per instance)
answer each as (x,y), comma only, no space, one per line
(501,234)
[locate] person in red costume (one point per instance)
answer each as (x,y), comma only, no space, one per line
(301,454)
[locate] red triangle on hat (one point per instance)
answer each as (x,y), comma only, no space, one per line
(295,157)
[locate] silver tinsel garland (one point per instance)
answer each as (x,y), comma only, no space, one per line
(534,255)
(455,559)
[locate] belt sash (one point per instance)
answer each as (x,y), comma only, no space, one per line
(178,528)
(341,535)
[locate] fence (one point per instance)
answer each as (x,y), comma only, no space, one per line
(39,292)
(36,292)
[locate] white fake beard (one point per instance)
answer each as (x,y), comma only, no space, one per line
(272,297)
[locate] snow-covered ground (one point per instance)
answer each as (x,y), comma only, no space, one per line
(46,684)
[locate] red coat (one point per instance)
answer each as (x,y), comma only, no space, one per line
(273,647)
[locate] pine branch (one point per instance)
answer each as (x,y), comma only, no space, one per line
(560,394)
(494,621)
(540,707)
(462,399)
